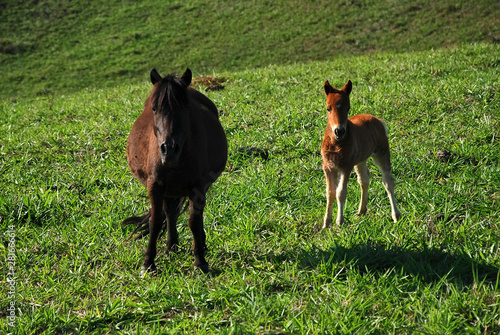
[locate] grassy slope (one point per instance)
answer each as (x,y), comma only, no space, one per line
(66,186)
(59,46)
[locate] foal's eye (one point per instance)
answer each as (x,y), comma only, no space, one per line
(155,110)
(329,108)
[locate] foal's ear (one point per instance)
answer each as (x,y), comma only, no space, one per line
(155,76)
(328,88)
(186,77)
(347,87)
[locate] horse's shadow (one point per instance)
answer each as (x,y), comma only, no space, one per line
(429,265)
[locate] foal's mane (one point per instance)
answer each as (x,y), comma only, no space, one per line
(173,89)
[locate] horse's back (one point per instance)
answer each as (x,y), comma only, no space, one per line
(208,136)
(203,101)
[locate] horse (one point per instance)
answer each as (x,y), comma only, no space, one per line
(176,148)
(347,144)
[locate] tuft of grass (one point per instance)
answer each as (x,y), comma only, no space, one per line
(60,47)
(65,187)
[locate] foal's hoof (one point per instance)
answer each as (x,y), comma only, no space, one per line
(202,267)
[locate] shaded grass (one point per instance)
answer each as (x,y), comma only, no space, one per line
(66,186)
(53,47)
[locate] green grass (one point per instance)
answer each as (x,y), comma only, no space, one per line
(65,187)
(53,47)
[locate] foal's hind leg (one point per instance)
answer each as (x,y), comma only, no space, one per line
(342,194)
(364,181)
(383,161)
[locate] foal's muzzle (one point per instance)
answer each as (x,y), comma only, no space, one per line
(339,132)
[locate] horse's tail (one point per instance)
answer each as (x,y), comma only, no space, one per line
(142,222)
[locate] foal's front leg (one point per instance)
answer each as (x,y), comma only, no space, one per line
(342,194)
(155,225)
(331,177)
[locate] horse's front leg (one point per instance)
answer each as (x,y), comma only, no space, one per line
(172,211)
(196,207)
(155,225)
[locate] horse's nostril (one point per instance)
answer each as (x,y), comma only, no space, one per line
(175,147)
(169,147)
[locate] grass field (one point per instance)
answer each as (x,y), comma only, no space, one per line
(65,188)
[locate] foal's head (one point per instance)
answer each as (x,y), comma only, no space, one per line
(338,105)
(170,105)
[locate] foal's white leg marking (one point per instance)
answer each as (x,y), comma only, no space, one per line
(331,185)
(341,195)
(384,164)
(388,182)
(364,181)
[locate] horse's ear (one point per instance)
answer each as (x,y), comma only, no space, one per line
(186,77)
(155,76)
(328,88)
(347,87)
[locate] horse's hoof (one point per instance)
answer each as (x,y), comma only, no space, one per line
(150,270)
(202,267)
(174,248)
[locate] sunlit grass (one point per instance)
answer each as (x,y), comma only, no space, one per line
(66,187)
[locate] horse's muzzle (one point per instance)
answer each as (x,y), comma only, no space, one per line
(169,152)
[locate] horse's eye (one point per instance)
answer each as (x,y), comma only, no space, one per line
(155,110)
(338,106)
(329,108)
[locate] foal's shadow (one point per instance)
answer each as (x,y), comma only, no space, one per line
(430,265)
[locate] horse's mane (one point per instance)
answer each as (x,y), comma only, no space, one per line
(173,89)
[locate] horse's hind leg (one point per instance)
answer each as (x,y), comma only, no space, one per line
(171,207)
(383,161)
(196,207)
(364,182)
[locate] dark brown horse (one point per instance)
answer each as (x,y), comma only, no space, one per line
(177,149)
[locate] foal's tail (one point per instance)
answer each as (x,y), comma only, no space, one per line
(142,222)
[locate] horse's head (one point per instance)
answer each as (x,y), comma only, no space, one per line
(338,105)
(170,106)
